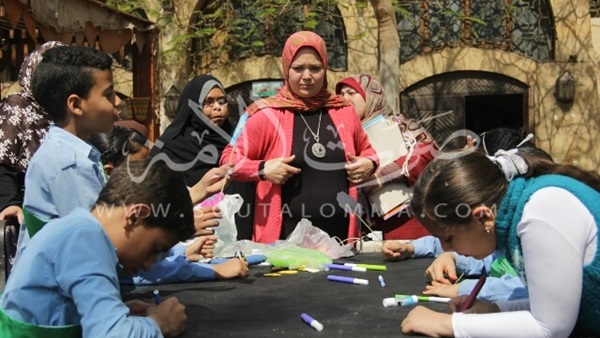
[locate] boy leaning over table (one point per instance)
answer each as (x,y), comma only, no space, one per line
(66,283)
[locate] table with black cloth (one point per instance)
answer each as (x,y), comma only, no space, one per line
(259,306)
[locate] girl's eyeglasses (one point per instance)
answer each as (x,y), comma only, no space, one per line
(210,102)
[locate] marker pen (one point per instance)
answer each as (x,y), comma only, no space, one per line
(471,298)
(312,322)
(156,297)
(427,298)
(240,255)
(345,267)
(349,280)
(369,266)
(405,301)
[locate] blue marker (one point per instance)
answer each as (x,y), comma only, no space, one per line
(156,297)
(312,322)
(345,267)
(349,280)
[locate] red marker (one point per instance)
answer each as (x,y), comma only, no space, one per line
(471,299)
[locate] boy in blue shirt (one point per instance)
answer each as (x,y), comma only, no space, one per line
(68,275)
(75,87)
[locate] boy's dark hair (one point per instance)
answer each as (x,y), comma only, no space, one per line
(156,185)
(64,71)
(116,144)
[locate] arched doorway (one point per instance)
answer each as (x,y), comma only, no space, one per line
(477,101)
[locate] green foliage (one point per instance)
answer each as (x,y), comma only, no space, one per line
(126,5)
(224,31)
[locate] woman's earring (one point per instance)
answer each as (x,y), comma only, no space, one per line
(487,230)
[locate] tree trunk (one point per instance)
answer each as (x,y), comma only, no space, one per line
(389,51)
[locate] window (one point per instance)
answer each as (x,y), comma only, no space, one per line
(520,26)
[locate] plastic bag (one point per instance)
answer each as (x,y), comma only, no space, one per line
(294,257)
(307,235)
(226,232)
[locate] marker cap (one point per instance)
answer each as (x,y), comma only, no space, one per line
(349,280)
(360,281)
(317,326)
(389,302)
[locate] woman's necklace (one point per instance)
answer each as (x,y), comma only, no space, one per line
(317,149)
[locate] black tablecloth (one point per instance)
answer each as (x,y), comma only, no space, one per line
(259,306)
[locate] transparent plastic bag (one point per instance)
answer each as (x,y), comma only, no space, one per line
(226,232)
(307,235)
(288,253)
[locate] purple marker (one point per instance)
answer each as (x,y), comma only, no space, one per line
(348,280)
(312,322)
(345,267)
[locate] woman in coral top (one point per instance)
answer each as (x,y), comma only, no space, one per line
(303,146)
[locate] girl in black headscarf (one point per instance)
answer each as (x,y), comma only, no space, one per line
(196,138)
(200,128)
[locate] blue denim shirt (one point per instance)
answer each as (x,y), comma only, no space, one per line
(64,173)
(175,268)
(68,276)
(495,289)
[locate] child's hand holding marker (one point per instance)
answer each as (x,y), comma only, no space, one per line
(444,265)
(137,307)
(169,315)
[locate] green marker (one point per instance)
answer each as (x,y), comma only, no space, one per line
(459,278)
(427,298)
(369,266)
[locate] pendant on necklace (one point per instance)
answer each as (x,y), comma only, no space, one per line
(318,150)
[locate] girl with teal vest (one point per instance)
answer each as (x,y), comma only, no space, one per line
(545,218)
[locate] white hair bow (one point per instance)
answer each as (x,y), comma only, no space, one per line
(510,163)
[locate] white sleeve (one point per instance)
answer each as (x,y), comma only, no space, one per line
(558,235)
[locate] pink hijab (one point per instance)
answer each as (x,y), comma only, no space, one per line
(286,99)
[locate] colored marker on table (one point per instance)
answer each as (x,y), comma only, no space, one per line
(348,280)
(156,297)
(345,267)
(471,298)
(427,298)
(369,266)
(381,281)
(393,301)
(312,322)
(404,301)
